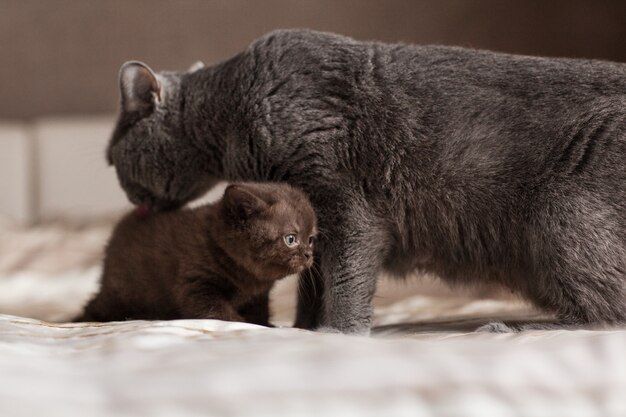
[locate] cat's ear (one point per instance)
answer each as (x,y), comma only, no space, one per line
(140,87)
(241,202)
(196,66)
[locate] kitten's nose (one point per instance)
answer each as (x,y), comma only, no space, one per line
(308,254)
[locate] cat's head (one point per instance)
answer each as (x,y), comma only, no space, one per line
(155,160)
(269,228)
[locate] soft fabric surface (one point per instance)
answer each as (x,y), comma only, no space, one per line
(423,358)
(189,368)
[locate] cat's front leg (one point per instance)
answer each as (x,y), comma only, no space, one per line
(352,256)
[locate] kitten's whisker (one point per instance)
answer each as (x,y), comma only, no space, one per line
(315,274)
(302,284)
(323,234)
(308,282)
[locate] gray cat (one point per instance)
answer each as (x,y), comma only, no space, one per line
(472,165)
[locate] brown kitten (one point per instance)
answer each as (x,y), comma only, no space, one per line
(217,261)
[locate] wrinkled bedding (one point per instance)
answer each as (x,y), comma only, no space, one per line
(423,357)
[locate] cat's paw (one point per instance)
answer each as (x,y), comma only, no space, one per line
(496,327)
(329,329)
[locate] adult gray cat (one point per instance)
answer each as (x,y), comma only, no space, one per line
(473,165)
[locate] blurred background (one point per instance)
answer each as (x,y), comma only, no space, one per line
(60,58)
(59,93)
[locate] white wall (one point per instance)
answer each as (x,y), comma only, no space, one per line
(73,177)
(55,168)
(16,174)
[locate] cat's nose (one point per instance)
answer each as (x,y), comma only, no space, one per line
(308,254)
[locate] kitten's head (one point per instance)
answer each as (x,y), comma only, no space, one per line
(156,162)
(268,228)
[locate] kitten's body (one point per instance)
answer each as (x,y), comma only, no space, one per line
(201,263)
(469,164)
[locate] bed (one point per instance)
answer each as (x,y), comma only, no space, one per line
(423,357)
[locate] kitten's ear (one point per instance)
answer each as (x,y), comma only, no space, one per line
(196,66)
(139,86)
(241,203)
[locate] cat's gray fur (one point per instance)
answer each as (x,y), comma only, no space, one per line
(473,165)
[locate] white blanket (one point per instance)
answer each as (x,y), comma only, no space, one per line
(206,368)
(423,358)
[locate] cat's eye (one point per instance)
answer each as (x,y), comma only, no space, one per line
(290,240)
(311,239)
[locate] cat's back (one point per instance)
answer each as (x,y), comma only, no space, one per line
(445,67)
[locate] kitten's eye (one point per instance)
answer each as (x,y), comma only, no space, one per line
(311,239)
(290,240)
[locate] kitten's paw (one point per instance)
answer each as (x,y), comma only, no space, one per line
(496,327)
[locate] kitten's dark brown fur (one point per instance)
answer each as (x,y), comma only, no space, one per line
(215,262)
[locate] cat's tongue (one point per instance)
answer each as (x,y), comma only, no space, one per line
(143,210)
